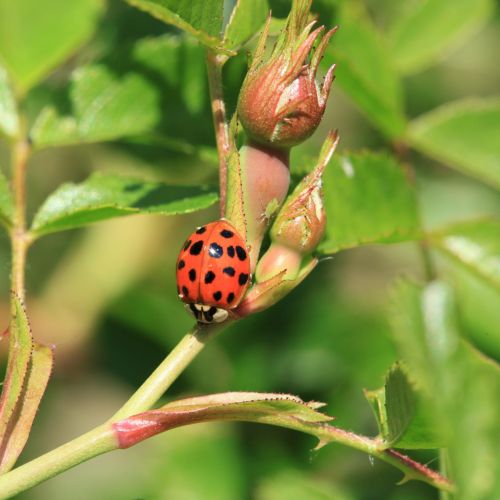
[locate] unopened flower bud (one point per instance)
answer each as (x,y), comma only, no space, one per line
(300,224)
(281,103)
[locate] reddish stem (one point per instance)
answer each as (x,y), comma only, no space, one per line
(215,62)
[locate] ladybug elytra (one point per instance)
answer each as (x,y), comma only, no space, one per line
(213,271)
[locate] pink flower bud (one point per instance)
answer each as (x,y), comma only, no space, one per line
(280,102)
(300,223)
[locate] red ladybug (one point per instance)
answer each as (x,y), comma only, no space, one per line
(213,271)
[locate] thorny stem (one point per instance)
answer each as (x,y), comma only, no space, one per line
(374,447)
(215,62)
(102,439)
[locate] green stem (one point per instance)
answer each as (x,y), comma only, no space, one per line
(19,237)
(171,367)
(444,469)
(402,152)
(97,441)
(102,439)
(428,267)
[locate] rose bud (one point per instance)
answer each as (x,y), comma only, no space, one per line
(280,102)
(300,223)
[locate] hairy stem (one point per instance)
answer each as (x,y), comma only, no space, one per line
(215,62)
(19,237)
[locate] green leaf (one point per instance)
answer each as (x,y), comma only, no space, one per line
(34,388)
(103,196)
(463,385)
(9,122)
(365,73)
(430,28)
(368,199)
(106,106)
(36,36)
(20,347)
(402,413)
(463,134)
(475,245)
(166,56)
(200,18)
(478,302)
(6,202)
(247,18)
(243,406)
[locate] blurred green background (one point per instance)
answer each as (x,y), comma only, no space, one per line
(105,296)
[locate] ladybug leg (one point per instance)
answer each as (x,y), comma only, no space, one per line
(193,310)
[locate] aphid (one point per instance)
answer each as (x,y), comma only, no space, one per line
(213,271)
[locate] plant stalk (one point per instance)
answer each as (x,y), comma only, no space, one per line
(374,447)
(169,369)
(402,152)
(19,236)
(96,442)
(215,62)
(102,439)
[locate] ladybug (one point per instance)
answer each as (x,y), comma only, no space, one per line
(213,271)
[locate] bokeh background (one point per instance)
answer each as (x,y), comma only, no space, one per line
(105,295)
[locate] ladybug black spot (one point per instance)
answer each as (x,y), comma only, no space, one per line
(215,251)
(229,271)
(209,277)
(242,255)
(186,245)
(185,291)
(192,274)
(230,251)
(230,297)
(196,248)
(225,233)
(181,264)
(218,295)
(201,230)
(243,278)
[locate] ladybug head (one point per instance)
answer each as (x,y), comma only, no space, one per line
(207,314)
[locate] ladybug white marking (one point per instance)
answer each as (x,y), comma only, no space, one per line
(207,314)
